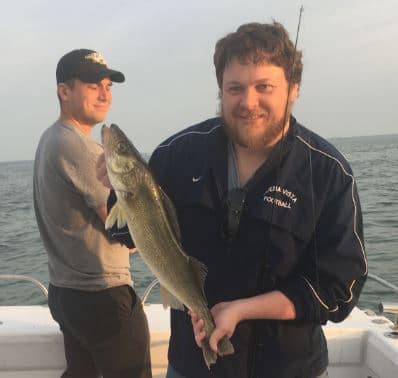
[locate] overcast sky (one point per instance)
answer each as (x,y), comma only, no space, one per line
(165,50)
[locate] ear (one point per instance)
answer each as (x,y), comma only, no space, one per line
(294,92)
(63,91)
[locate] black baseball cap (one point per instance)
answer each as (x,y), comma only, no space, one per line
(86,65)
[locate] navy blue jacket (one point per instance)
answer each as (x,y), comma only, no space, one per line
(300,232)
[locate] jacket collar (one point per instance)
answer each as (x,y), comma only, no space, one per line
(218,157)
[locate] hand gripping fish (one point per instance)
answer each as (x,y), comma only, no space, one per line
(152,222)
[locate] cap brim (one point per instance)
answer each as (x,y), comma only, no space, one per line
(96,76)
(116,76)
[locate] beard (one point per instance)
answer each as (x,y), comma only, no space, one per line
(261,134)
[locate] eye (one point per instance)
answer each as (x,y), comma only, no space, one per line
(121,147)
(234,89)
(265,88)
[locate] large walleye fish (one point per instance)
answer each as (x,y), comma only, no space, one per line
(152,222)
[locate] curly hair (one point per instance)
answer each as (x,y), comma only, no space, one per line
(259,43)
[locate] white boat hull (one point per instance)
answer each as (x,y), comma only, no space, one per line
(31,344)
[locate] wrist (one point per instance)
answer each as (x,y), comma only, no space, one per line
(240,309)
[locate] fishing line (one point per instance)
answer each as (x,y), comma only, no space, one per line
(314,229)
(292,71)
(265,273)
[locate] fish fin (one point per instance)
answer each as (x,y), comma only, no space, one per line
(116,215)
(225,347)
(209,355)
(171,214)
(200,271)
(169,299)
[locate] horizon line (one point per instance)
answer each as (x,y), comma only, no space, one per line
(327,138)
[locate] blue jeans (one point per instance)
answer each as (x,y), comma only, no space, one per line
(172,373)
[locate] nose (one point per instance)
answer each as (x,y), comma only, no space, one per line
(104,94)
(249,98)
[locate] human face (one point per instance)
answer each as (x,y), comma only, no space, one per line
(86,103)
(253,101)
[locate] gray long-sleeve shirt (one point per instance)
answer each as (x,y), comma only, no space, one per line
(81,255)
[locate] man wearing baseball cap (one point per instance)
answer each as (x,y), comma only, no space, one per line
(90,293)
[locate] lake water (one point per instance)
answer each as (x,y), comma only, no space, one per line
(373,159)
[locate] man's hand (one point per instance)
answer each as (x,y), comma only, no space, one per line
(197,325)
(101,172)
(226,316)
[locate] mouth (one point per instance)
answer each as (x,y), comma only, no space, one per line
(250,117)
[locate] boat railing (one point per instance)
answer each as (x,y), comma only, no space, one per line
(383,282)
(148,290)
(19,277)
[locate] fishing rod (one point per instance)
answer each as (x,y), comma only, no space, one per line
(292,71)
(265,273)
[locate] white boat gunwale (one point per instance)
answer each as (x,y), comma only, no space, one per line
(31,344)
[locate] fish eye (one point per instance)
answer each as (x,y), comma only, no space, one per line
(121,147)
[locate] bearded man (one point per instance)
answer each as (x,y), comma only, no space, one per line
(271,209)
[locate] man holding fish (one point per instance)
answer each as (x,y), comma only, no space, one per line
(267,208)
(90,293)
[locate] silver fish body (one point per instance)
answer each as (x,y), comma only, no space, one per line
(152,222)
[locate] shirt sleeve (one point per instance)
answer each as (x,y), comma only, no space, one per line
(331,289)
(76,160)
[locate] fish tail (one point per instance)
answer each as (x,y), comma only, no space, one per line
(225,347)
(208,354)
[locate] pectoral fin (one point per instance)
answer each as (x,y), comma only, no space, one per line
(169,299)
(116,215)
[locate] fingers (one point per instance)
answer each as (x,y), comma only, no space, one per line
(100,160)
(197,325)
(215,337)
(100,167)
(101,172)
(200,334)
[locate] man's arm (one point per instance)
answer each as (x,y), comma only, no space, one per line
(273,305)
(334,267)
(329,283)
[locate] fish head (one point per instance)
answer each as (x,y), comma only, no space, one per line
(124,164)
